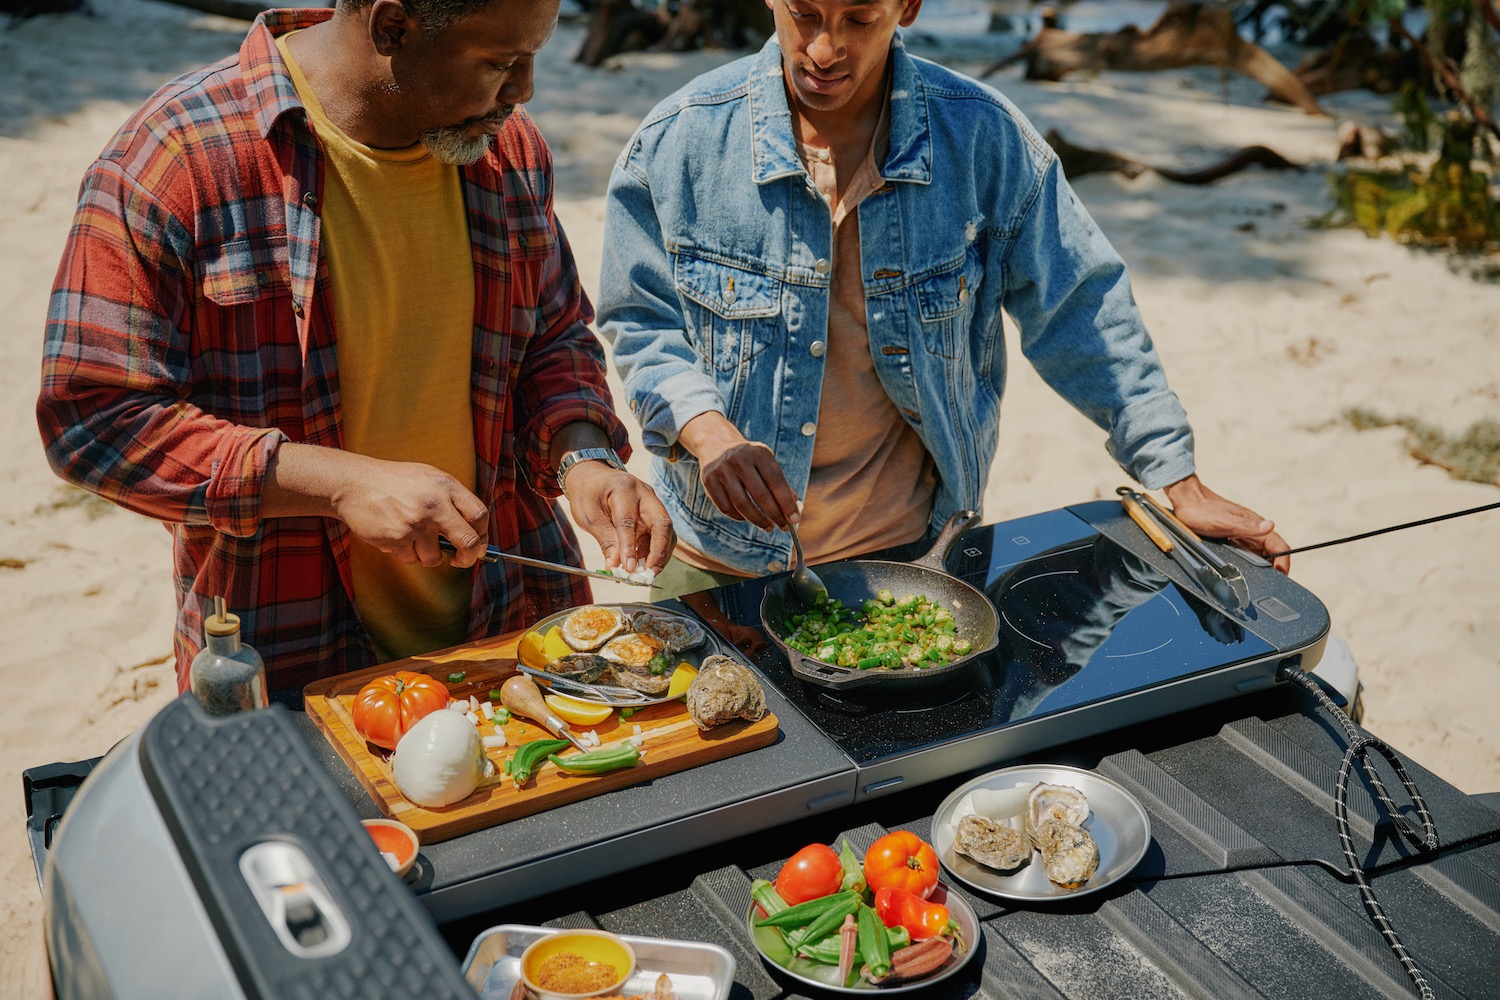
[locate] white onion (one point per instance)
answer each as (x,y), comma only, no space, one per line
(440,760)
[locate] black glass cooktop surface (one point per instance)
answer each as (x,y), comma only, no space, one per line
(1081,620)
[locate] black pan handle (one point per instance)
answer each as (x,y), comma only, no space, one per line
(937,556)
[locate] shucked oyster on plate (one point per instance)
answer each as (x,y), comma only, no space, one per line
(1069,853)
(591,626)
(633,650)
(675,633)
(724,691)
(992,844)
(1059,802)
(584,667)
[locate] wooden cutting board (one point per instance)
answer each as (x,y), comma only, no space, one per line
(672,743)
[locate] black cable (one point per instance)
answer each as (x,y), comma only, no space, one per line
(1424,840)
(1381,531)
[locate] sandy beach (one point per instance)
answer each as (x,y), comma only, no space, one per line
(1270,330)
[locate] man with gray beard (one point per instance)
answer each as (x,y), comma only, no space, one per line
(316,314)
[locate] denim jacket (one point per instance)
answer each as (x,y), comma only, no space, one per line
(715,289)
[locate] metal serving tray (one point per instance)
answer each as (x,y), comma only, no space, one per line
(699,971)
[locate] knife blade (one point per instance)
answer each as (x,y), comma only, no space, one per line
(493,554)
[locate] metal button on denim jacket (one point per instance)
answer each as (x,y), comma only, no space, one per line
(715,286)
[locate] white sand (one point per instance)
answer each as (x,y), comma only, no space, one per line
(1269,330)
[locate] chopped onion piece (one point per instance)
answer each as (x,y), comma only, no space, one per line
(487,710)
(473,703)
(472,717)
(637,729)
(494,742)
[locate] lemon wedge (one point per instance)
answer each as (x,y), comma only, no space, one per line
(682,677)
(554,645)
(579,713)
(530,652)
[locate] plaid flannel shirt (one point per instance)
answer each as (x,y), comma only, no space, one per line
(189,334)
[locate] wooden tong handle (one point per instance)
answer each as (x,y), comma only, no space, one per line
(1170,516)
(1151,528)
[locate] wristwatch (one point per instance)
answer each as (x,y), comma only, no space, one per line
(572,458)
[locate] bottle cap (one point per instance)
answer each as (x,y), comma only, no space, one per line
(221,622)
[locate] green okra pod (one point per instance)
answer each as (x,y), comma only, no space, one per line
(805,913)
(528,757)
(622,754)
(827,923)
(874,948)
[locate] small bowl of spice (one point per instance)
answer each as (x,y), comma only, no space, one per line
(580,963)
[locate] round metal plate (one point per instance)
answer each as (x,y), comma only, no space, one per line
(694,656)
(824,976)
(1117,821)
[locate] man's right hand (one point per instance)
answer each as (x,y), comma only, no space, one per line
(397,507)
(742,477)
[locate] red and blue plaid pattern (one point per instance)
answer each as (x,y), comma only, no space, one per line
(189,335)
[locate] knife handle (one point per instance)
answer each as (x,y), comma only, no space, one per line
(1151,528)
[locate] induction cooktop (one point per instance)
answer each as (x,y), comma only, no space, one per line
(1097,629)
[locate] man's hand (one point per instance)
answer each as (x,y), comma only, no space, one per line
(397,507)
(742,477)
(623,513)
(1212,516)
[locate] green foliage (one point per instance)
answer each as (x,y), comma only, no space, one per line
(1473,455)
(1448,204)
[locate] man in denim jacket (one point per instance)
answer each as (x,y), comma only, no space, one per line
(807,254)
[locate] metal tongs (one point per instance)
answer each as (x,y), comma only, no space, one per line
(604,694)
(1221,578)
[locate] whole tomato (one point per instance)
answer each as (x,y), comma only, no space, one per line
(811,873)
(388,706)
(903,860)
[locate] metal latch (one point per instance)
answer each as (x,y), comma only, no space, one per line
(295,900)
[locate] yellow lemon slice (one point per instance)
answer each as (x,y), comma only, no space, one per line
(554,645)
(682,677)
(579,713)
(530,652)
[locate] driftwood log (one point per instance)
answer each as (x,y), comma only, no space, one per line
(620,26)
(1079,160)
(1187,34)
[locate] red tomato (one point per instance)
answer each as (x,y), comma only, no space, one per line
(812,872)
(388,706)
(904,860)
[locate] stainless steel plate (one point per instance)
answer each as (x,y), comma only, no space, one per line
(825,976)
(698,971)
(1117,822)
(694,656)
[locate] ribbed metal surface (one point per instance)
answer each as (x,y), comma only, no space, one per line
(1240,895)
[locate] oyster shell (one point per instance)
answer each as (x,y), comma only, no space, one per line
(584,667)
(675,633)
(724,691)
(591,626)
(992,844)
(1069,854)
(1059,802)
(633,650)
(641,679)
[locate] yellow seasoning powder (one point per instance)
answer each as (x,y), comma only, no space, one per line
(570,972)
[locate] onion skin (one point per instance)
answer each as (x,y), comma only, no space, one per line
(439,761)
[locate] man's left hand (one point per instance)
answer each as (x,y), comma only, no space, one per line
(623,513)
(1212,516)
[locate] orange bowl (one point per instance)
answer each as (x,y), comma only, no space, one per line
(396,839)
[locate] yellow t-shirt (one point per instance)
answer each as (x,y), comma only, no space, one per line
(401,273)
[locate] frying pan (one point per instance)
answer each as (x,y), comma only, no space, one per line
(855,581)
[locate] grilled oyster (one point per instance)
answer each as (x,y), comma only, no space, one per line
(633,650)
(724,691)
(1059,802)
(641,679)
(675,633)
(1069,854)
(992,844)
(584,667)
(591,626)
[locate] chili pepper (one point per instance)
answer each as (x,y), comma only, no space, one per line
(827,924)
(902,907)
(528,757)
(622,754)
(457,677)
(873,947)
(805,913)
